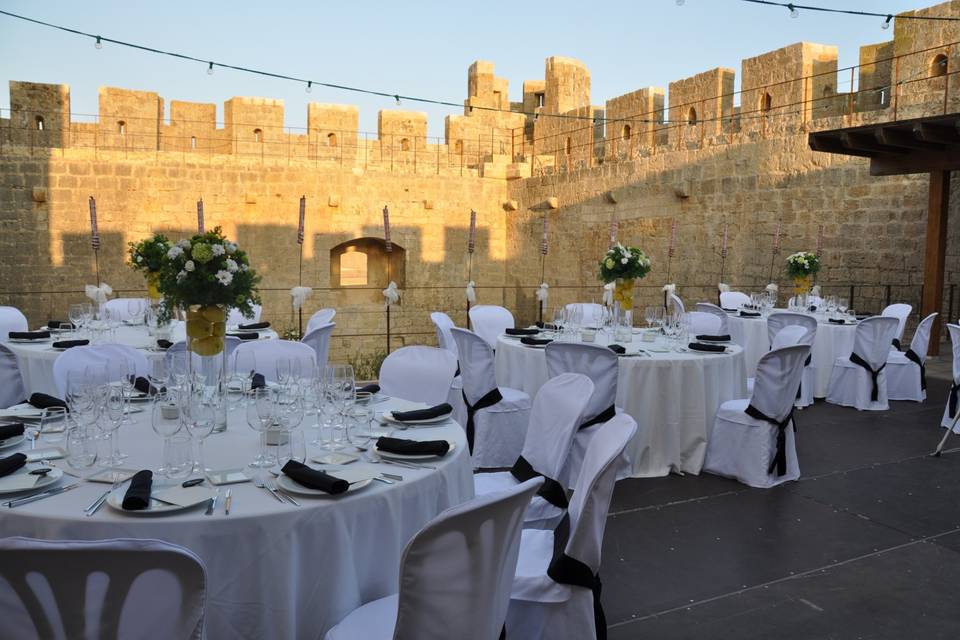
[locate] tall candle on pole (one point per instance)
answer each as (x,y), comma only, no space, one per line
(723,256)
(776,248)
(388,247)
(544,249)
(471,247)
(300,235)
(200,226)
(670,251)
(95,236)
(614,228)
(819,246)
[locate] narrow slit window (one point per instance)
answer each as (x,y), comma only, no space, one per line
(122,128)
(193,142)
(692,116)
(331,139)
(404,145)
(258,135)
(38,122)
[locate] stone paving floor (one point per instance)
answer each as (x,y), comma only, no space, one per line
(865,545)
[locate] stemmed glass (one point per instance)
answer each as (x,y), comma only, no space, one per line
(128,379)
(178,367)
(259,412)
(115,405)
(135,310)
(159,373)
(165,419)
(75,315)
(200,418)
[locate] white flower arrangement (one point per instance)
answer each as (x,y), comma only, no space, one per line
(773,288)
(670,288)
(622,262)
(802,264)
(723,288)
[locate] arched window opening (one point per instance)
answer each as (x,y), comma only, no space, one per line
(38,122)
(258,135)
(692,116)
(353,268)
(541,99)
(365,263)
(331,139)
(766,103)
(193,142)
(404,144)
(122,128)
(458,146)
(938,68)
(569,146)
(625,132)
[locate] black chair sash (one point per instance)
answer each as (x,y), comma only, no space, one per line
(806,363)
(779,461)
(857,360)
(604,416)
(913,357)
(551,490)
(489,399)
(566,570)
(896,343)
(952,405)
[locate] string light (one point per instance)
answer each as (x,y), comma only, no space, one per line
(886,23)
(793,11)
(210,69)
(309,86)
(680,3)
(98,44)
(397,98)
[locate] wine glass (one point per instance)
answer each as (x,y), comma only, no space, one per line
(128,381)
(259,414)
(165,418)
(135,310)
(75,315)
(178,367)
(200,419)
(109,424)
(159,373)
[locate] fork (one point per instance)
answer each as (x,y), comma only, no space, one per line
(258,481)
(96,504)
(273,487)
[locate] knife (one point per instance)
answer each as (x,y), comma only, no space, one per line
(39,496)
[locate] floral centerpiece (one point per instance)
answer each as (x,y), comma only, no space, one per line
(622,266)
(147,256)
(801,267)
(207,275)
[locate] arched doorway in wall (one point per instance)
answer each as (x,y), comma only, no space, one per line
(361,268)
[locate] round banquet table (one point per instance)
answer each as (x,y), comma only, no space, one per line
(273,570)
(831,342)
(672,395)
(35,359)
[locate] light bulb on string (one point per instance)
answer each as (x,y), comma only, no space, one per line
(309,86)
(886,23)
(210,69)
(793,11)
(98,44)
(397,98)
(680,3)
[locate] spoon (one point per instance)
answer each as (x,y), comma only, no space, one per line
(41,471)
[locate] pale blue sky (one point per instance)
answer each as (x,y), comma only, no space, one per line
(414,48)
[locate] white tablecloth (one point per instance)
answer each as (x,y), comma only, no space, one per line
(36,359)
(273,570)
(832,341)
(672,396)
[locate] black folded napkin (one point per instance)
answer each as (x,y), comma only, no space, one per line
(137,496)
(29,335)
(617,349)
(164,344)
(546,325)
(413,447)
(314,478)
(254,325)
(67,344)
(369,388)
(812,308)
(716,348)
(143,385)
(11,430)
(521,332)
(714,338)
(257,381)
(11,463)
(252,335)
(43,401)
(750,314)
(535,342)
(423,414)
(729,310)
(58,324)
(836,321)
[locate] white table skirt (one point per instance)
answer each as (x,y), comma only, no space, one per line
(672,396)
(36,360)
(751,334)
(273,570)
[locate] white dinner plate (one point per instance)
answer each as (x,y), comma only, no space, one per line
(29,340)
(289,484)
(708,341)
(511,337)
(44,481)
(535,346)
(155,508)
(12,442)
(388,416)
(422,456)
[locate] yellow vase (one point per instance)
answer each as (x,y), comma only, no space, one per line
(623,293)
(802,284)
(153,285)
(206,326)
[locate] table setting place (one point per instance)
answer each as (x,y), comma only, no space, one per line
(671,337)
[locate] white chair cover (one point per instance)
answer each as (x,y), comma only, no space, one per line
(901,312)
(11,319)
(788,336)
(489,321)
(706,307)
(733,299)
(780,319)
(103,361)
(590,312)
(952,409)
(558,408)
(418,374)
(776,323)
(540,608)
(445,340)
(11,382)
(235,318)
(318,339)
(703,323)
(677,304)
(906,370)
(850,384)
(746,447)
(455,575)
(499,430)
(119,308)
(100,589)
(319,319)
(261,356)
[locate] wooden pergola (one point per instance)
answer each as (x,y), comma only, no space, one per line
(923,145)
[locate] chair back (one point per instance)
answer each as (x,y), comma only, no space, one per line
(676,303)
(703,323)
(780,319)
(118,588)
(872,339)
(788,336)
(901,312)
(733,299)
(597,362)
(476,364)
(443,323)
(11,319)
(103,361)
(11,382)
(489,322)
(119,308)
(707,307)
(457,572)
(921,337)
(318,338)
(954,330)
(590,312)
(234,317)
(777,380)
(262,356)
(418,374)
(558,409)
(319,319)
(602,461)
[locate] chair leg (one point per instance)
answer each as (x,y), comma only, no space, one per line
(943,441)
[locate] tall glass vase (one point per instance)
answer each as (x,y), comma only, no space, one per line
(207,364)
(153,286)
(802,284)
(623,309)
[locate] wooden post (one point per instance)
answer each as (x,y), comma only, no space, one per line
(935,255)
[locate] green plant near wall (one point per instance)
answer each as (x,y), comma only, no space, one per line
(366,366)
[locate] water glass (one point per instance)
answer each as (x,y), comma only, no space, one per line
(53,425)
(293,448)
(81,448)
(360,420)
(178,456)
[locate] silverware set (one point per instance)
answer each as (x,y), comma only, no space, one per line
(16,502)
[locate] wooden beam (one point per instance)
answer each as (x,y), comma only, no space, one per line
(936,133)
(833,144)
(916,162)
(936,253)
(867,142)
(895,137)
